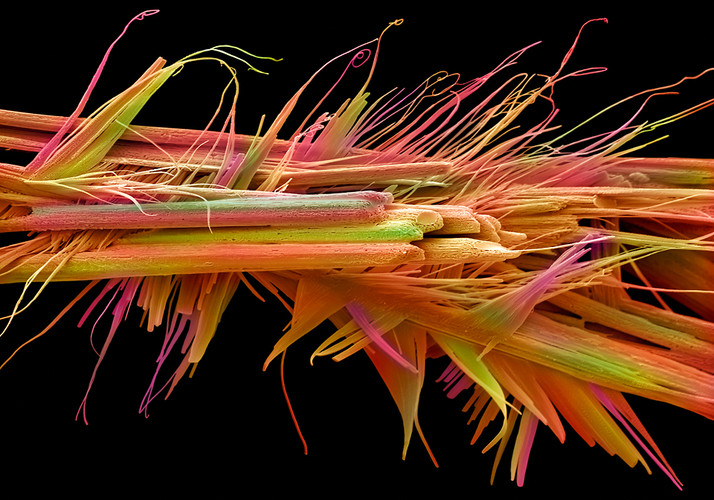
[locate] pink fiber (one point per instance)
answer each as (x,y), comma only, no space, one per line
(50,147)
(360,317)
(607,402)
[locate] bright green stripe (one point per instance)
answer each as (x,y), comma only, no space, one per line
(396,231)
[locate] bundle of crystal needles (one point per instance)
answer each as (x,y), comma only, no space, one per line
(422,224)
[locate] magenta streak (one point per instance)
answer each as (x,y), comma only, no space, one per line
(360,317)
(611,408)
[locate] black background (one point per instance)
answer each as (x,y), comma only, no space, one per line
(227,431)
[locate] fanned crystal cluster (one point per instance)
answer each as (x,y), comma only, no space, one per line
(421,224)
